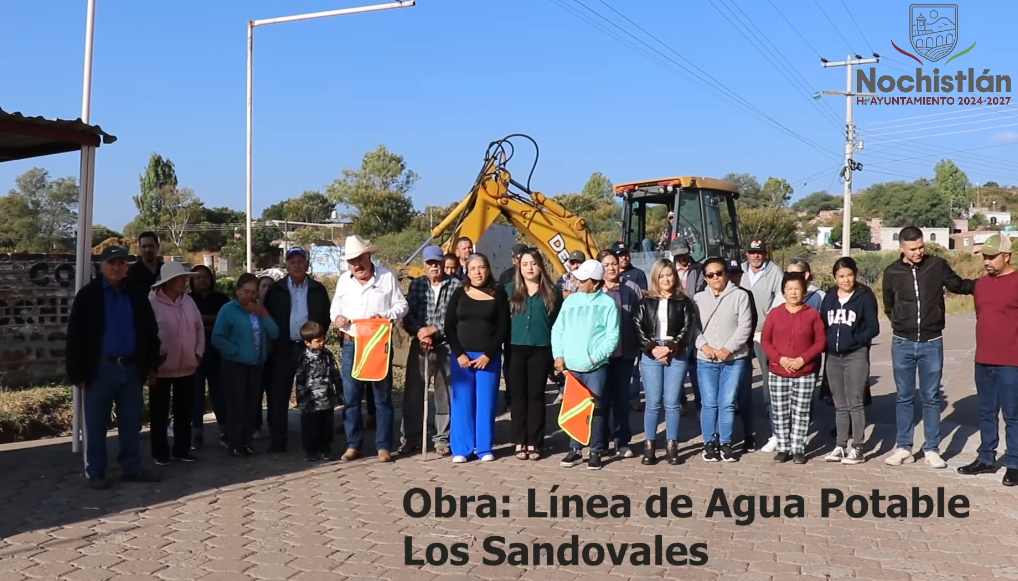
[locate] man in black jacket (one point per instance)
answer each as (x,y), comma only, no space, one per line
(914,302)
(112,350)
(145,271)
(291,301)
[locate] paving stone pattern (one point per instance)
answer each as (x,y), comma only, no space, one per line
(278,518)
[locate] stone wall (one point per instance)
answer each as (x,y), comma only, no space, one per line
(36,292)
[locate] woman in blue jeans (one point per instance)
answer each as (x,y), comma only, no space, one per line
(725,319)
(476,326)
(664,323)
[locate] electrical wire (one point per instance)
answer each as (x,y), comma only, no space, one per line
(943,134)
(835,26)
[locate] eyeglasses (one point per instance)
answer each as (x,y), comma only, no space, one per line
(715,274)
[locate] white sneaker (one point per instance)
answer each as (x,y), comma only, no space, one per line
(459,459)
(900,456)
(770,446)
(836,455)
(853,457)
(626,452)
(488,458)
(934,460)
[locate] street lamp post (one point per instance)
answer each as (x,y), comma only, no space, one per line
(250,89)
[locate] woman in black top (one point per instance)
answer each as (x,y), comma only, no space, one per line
(476,326)
(209,301)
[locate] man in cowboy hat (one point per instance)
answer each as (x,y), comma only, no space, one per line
(112,350)
(292,301)
(365,291)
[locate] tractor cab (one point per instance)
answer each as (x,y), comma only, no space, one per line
(699,210)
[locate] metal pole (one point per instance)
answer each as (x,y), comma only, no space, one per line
(83,270)
(250,89)
(846,212)
(250,118)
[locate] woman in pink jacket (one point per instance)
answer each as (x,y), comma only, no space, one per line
(182,335)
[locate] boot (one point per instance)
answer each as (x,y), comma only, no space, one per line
(673,452)
(648,453)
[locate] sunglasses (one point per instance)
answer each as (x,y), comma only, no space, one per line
(715,274)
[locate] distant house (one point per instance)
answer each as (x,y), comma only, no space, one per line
(889,237)
(972,241)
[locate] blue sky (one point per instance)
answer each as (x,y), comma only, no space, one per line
(437,82)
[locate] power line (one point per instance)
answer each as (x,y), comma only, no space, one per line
(931,115)
(792,26)
(943,134)
(835,26)
(861,33)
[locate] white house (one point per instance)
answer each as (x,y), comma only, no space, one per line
(889,237)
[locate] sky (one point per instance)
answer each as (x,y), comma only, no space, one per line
(597,84)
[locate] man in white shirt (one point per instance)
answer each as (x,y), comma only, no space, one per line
(365,291)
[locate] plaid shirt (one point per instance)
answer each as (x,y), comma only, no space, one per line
(424,310)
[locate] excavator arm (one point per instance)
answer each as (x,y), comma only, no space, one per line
(546,223)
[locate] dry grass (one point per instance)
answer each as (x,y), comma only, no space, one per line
(31,414)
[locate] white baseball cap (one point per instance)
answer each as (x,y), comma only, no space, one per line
(589,270)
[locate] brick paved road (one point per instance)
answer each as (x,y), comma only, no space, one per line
(274,518)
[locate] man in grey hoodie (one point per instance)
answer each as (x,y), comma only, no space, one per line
(763,279)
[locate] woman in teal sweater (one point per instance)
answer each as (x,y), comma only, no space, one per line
(534,303)
(583,338)
(242,334)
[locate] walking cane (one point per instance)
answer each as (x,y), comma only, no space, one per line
(424,430)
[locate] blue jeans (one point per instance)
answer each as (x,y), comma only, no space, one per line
(997,387)
(909,357)
(694,384)
(209,371)
(719,384)
(120,384)
(596,382)
(663,383)
(353,391)
(620,377)
(473,405)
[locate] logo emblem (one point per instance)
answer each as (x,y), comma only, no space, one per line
(933,29)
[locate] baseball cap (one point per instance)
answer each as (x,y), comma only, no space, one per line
(619,247)
(518,249)
(757,245)
(111,252)
(433,254)
(733,267)
(295,251)
(577,256)
(679,247)
(589,270)
(997,244)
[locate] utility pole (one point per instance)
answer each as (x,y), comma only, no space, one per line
(850,143)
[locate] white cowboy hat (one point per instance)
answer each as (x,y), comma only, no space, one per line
(356,246)
(171,270)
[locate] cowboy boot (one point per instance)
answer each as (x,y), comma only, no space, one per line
(648,453)
(673,452)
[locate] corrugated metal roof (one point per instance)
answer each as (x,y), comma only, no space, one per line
(23,137)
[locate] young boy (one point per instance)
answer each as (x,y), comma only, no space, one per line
(318,382)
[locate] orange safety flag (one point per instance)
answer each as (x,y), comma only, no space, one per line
(574,417)
(372,341)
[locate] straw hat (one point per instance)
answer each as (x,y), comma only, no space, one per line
(356,246)
(171,270)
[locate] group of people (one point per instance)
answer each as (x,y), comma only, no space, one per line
(606,323)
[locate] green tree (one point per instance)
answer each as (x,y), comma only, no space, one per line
(977,222)
(266,254)
(376,195)
(818,202)
(991,184)
(213,228)
(101,233)
(159,174)
(953,185)
(859,234)
(598,186)
(904,204)
(779,227)
(750,191)
(776,192)
(179,208)
(312,207)
(40,214)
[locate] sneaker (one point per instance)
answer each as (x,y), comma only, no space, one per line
(798,458)
(488,458)
(326,457)
(710,452)
(249,451)
(459,459)
(98,483)
(935,461)
(626,452)
(726,453)
(312,458)
(853,457)
(594,462)
(782,457)
(162,460)
(223,442)
(573,458)
(900,456)
(836,455)
(185,458)
(770,446)
(237,453)
(748,445)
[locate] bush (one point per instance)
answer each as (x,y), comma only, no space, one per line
(31,414)
(226,285)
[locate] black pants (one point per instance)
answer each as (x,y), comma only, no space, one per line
(284,369)
(182,390)
(528,373)
(267,392)
(316,432)
(242,384)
